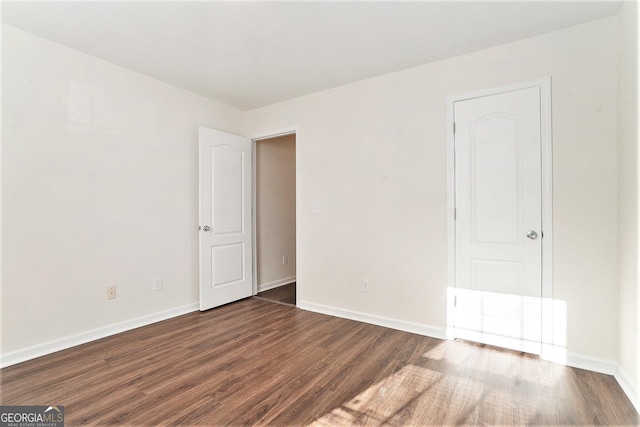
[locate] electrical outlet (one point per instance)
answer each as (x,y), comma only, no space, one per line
(157,284)
(285,260)
(365,285)
(316,207)
(111,292)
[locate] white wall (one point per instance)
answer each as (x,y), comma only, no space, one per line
(628,214)
(374,153)
(275,210)
(99,188)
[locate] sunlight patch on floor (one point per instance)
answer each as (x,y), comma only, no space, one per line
(496,386)
(381,402)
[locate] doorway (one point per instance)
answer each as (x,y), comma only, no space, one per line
(275,218)
(500,230)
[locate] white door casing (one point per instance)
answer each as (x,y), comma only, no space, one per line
(225,207)
(498,187)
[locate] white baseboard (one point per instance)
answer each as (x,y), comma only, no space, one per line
(627,386)
(594,364)
(276,283)
(13,357)
(401,325)
(607,367)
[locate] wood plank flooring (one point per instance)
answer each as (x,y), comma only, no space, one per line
(255,363)
(285,294)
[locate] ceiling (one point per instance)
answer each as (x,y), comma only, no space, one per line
(252,54)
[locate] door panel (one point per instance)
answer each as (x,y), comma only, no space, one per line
(227,172)
(498,192)
(494,174)
(225,218)
(227,264)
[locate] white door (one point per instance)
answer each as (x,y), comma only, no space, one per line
(498,225)
(225,218)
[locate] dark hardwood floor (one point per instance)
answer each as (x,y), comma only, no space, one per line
(285,294)
(255,362)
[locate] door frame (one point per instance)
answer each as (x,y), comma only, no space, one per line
(544,85)
(291,130)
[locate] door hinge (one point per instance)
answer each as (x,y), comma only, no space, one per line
(455,301)
(454,128)
(541,234)
(455,214)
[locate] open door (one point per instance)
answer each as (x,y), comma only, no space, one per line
(226,245)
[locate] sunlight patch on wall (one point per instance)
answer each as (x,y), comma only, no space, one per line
(92,108)
(523,323)
(554,330)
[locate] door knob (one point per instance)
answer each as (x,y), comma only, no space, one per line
(206,228)
(532,234)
